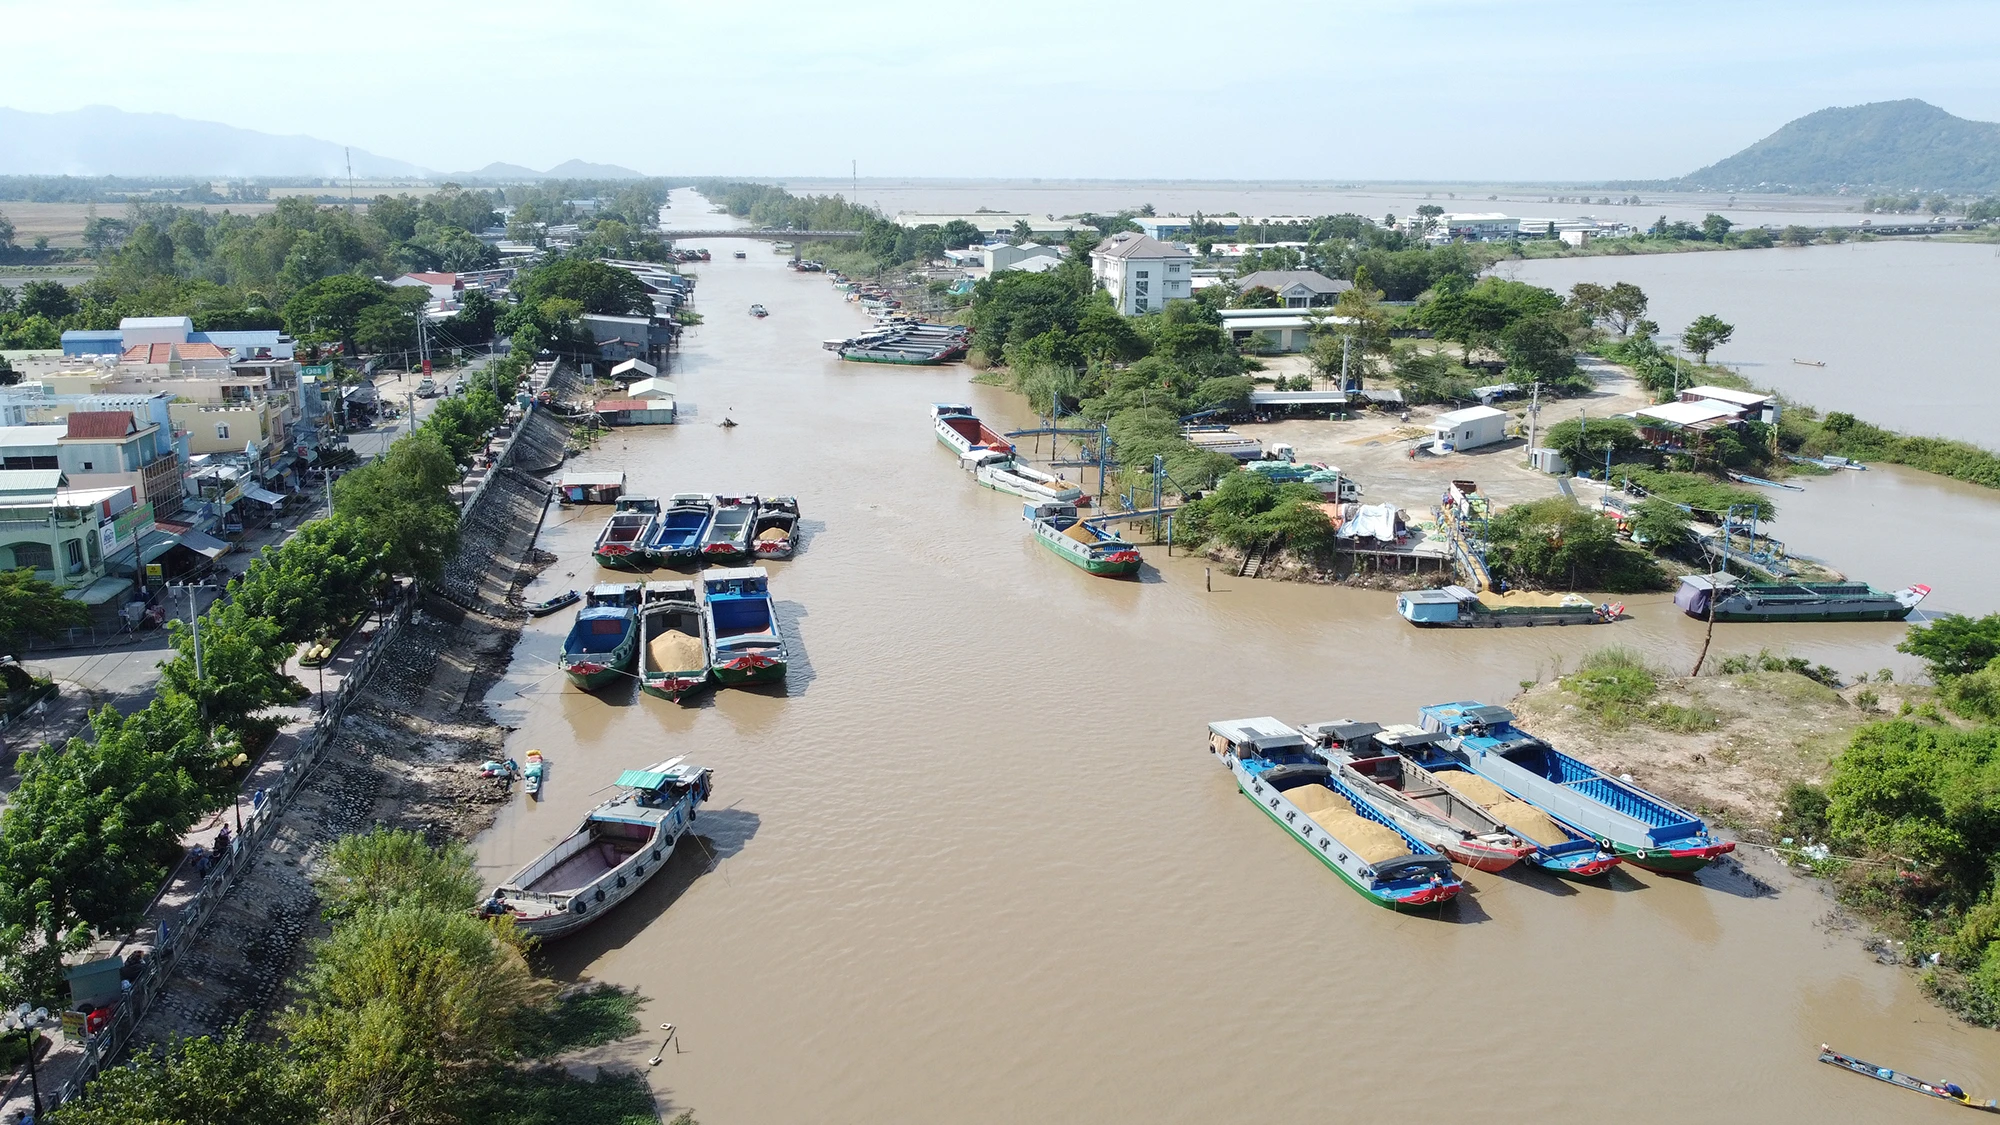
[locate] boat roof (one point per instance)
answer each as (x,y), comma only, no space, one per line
(950,408)
(671,586)
(1403,735)
(1708,581)
(725,573)
(605,613)
(1430,597)
(655,776)
(1261,732)
(1471,710)
(611,589)
(572,480)
(1346,730)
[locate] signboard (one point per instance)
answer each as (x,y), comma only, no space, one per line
(154,570)
(321,369)
(131,523)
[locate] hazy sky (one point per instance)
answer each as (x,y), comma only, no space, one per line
(1310,89)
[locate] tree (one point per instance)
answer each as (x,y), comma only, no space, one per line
(1551,542)
(1659,523)
(387,868)
(1538,350)
(1714,227)
(6,232)
(1358,317)
(1590,301)
(319,578)
(959,234)
(600,289)
(1583,443)
(1428,376)
(230,1080)
(1625,304)
(402,505)
(1023,233)
(30,605)
(1257,297)
(49,300)
(1954,644)
(385,327)
(1706,334)
(331,308)
(242,659)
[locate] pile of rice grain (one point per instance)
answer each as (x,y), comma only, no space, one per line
(772,535)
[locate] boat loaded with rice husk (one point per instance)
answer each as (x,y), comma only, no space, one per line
(745,644)
(1277,769)
(728,536)
(677,538)
(1639,827)
(1092,548)
(775,533)
(1371,759)
(601,643)
(673,640)
(961,431)
(1732,599)
(622,543)
(620,844)
(1003,473)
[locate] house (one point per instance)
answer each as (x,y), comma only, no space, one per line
(1684,425)
(1296,289)
(654,388)
(1002,257)
(635,411)
(1750,405)
(446,288)
(1142,274)
(1470,428)
(633,369)
(621,338)
(1273,330)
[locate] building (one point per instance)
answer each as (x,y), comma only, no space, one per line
(1470,428)
(635,411)
(1296,289)
(1749,405)
(1274,330)
(1142,274)
(620,338)
(653,388)
(1030,256)
(997,224)
(1684,425)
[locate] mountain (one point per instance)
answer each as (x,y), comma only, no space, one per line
(101,141)
(567,170)
(1907,145)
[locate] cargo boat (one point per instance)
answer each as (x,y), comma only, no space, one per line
(673,640)
(1276,769)
(677,538)
(620,844)
(774,535)
(727,537)
(1637,826)
(1456,607)
(601,643)
(1090,548)
(1002,473)
(1736,600)
(622,543)
(961,431)
(745,644)
(1372,760)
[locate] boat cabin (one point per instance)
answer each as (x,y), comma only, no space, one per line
(1055,512)
(591,488)
(1264,739)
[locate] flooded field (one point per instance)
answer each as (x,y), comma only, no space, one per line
(973,863)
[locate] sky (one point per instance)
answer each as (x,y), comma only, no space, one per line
(1321,90)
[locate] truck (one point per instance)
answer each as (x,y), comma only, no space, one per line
(427,387)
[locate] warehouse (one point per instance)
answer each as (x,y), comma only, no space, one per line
(1470,428)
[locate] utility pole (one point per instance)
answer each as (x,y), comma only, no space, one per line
(1534,410)
(349,153)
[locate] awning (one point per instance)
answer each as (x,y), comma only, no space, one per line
(263,496)
(203,543)
(157,545)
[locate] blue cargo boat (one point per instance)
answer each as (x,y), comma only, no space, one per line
(677,537)
(745,646)
(1277,769)
(1638,826)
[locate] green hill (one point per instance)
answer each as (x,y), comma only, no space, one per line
(1907,145)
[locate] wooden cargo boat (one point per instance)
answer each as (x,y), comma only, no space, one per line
(677,538)
(622,543)
(549,605)
(1639,827)
(1276,768)
(1737,600)
(600,646)
(775,532)
(674,645)
(746,645)
(728,536)
(961,431)
(620,844)
(1460,608)
(1372,760)
(1081,545)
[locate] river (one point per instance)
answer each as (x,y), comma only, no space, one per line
(975,865)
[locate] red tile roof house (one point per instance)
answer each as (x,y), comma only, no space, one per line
(444,287)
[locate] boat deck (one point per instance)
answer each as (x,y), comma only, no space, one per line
(586,866)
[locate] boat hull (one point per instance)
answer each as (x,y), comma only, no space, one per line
(678,688)
(747,672)
(1490,860)
(1669,861)
(1101,567)
(594,676)
(622,558)
(1442,895)
(1890,613)
(901,361)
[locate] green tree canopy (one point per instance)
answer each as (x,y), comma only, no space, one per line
(1953,644)
(402,505)
(30,606)
(331,308)
(601,289)
(227,1080)
(1706,334)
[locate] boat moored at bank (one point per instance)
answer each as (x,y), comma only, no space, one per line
(1373,760)
(677,538)
(746,644)
(1082,545)
(1278,770)
(601,643)
(673,640)
(1730,598)
(622,543)
(727,538)
(1003,473)
(1639,827)
(774,535)
(620,845)
(961,431)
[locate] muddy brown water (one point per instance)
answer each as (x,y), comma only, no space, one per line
(973,864)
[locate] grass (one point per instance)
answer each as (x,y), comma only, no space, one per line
(1617,686)
(590,1017)
(553,1096)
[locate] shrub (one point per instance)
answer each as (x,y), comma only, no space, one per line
(1802,811)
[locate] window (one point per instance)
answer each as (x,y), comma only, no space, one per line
(1139,287)
(1173,267)
(86,466)
(74,550)
(1141,273)
(30,463)
(222,431)
(1140,304)
(36,555)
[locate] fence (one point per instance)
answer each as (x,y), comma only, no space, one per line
(178,934)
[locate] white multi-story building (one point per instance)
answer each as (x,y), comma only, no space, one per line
(1142,274)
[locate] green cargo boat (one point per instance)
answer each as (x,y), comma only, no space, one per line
(673,641)
(604,639)
(1732,599)
(1088,548)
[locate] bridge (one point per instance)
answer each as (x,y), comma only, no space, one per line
(763,233)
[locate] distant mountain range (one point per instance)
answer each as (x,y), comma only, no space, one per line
(1907,145)
(103,141)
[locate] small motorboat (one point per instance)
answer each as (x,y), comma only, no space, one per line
(549,605)
(740,254)
(1809,362)
(759,311)
(1947,1091)
(533,772)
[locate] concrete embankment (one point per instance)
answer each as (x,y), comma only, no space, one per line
(405,753)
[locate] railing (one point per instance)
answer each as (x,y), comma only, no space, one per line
(177,936)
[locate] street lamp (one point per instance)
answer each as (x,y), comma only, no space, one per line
(21,1020)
